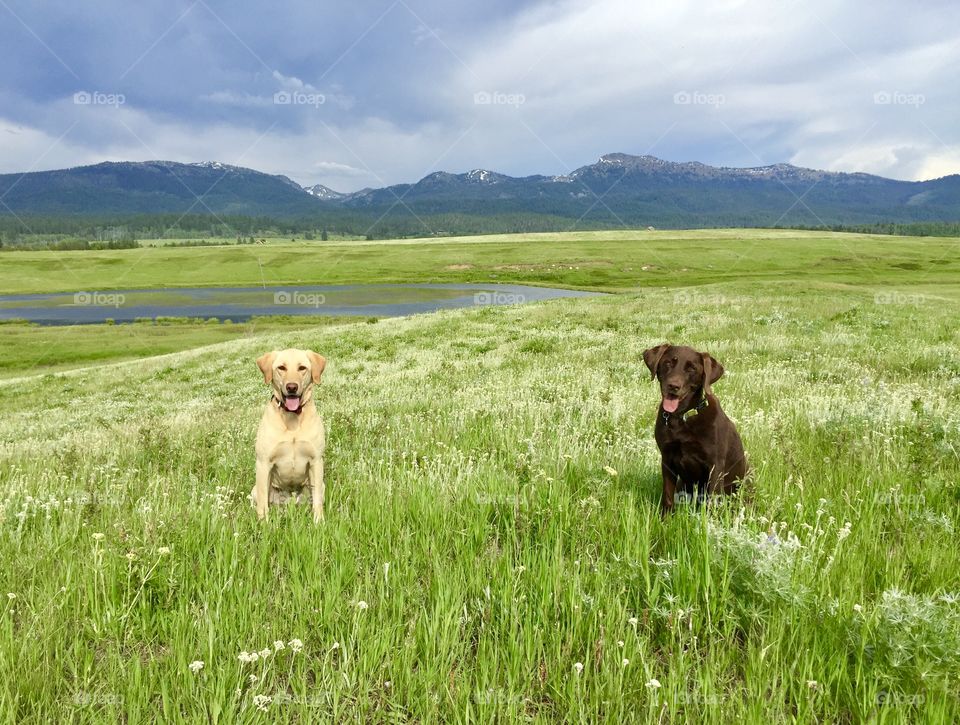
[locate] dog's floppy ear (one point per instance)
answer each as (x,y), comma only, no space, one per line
(317,364)
(652,357)
(265,363)
(712,371)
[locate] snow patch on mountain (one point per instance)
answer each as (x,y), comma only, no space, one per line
(482,176)
(323,192)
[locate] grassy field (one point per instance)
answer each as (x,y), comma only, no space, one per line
(493,550)
(29,350)
(588,260)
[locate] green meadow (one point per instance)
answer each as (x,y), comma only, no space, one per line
(601,261)
(493,550)
(30,350)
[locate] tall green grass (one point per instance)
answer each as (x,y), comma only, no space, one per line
(493,550)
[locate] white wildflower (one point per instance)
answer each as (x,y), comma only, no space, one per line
(266,652)
(278,645)
(362,605)
(578,666)
(295,644)
(813,684)
(611,471)
(262,702)
(625,662)
(196,666)
(11,596)
(857,608)
(97,536)
(163,550)
(653,684)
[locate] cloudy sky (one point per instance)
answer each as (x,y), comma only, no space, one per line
(385,91)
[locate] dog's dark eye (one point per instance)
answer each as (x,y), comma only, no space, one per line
(302,368)
(282,367)
(689,367)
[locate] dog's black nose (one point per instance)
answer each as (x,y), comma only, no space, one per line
(673,389)
(291,387)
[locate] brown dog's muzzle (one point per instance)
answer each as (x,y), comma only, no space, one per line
(673,392)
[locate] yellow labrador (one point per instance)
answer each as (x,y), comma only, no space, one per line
(291,437)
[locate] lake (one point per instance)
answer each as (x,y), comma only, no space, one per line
(242,303)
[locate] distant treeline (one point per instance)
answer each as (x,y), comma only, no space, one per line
(913,229)
(75,232)
(65,245)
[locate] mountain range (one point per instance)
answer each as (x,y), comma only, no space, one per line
(617,190)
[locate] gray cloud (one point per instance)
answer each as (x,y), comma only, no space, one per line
(396,90)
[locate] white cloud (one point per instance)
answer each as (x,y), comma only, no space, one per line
(332,167)
(233,98)
(292,83)
(797,82)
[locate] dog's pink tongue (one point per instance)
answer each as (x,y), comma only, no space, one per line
(291,404)
(670,404)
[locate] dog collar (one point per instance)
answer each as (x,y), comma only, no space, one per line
(694,411)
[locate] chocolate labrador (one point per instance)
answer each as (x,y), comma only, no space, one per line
(701,452)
